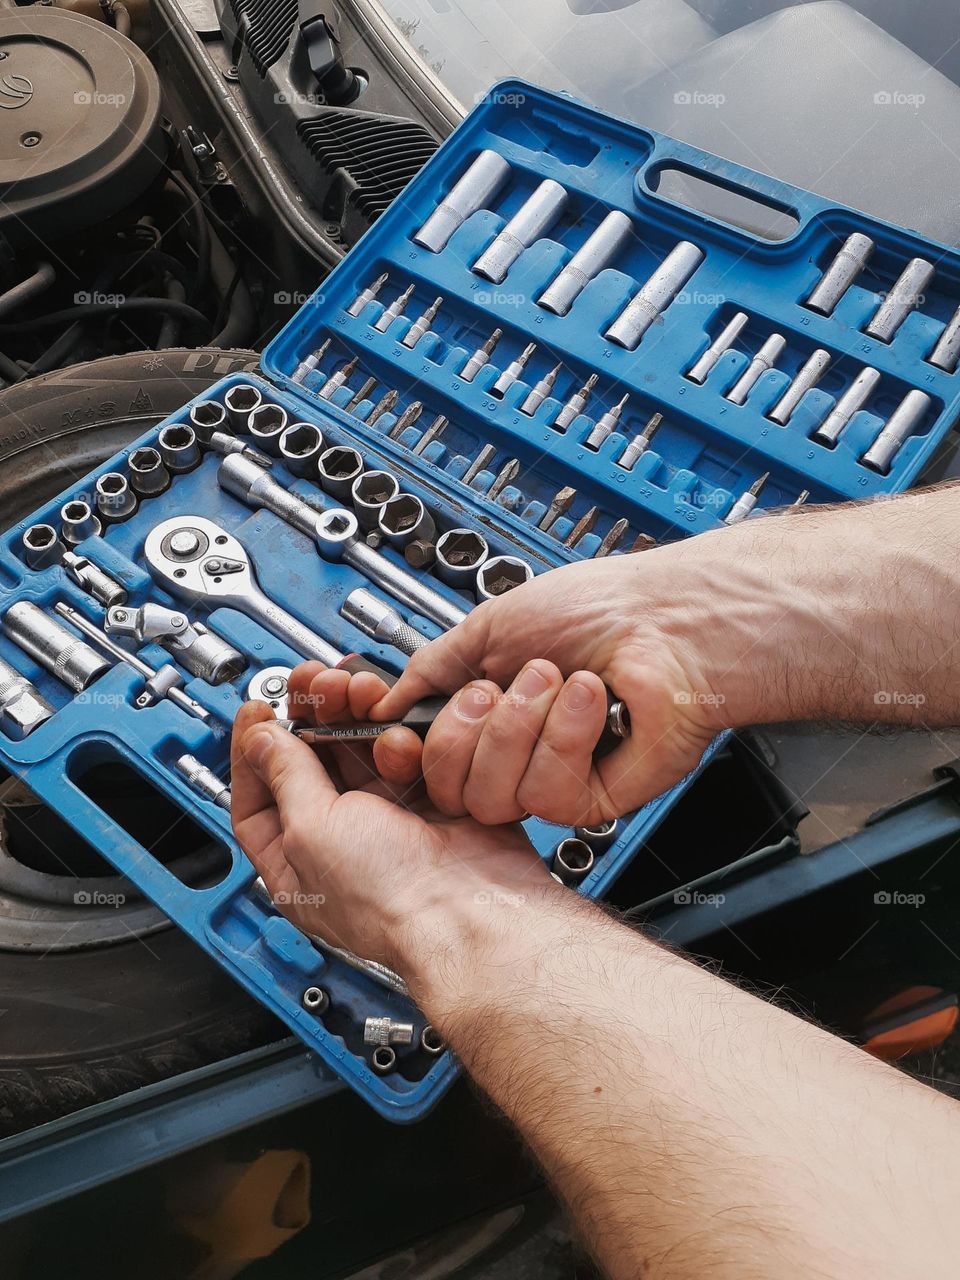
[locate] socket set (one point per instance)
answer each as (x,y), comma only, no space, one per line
(532,357)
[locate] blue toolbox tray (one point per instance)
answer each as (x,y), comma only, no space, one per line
(706,453)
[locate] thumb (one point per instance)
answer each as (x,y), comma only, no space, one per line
(443,666)
(301,788)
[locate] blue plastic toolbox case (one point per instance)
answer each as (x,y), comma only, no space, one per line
(687,476)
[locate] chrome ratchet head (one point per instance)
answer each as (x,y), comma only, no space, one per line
(198,560)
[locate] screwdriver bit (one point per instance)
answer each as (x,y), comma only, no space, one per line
(421,325)
(575,405)
(639,444)
(361,395)
(606,425)
(406,419)
(338,379)
(540,391)
(513,371)
(384,405)
(485,455)
(433,432)
(310,362)
(480,357)
(612,539)
(394,310)
(583,526)
(508,473)
(747,501)
(366,295)
(561,504)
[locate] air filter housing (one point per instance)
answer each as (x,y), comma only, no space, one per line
(79,122)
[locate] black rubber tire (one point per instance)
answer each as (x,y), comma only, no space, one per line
(80,1027)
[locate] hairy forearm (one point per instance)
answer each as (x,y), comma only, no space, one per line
(849,613)
(691,1128)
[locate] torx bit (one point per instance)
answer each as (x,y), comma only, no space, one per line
(612,539)
(338,379)
(310,362)
(421,325)
(406,419)
(638,446)
(508,472)
(480,357)
(606,425)
(513,371)
(366,295)
(583,526)
(480,461)
(360,396)
(561,504)
(575,405)
(435,429)
(384,405)
(541,390)
(747,501)
(396,308)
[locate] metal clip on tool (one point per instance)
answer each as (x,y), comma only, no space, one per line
(202,652)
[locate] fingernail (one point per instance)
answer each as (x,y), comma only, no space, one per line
(577,696)
(531,683)
(255,745)
(474,703)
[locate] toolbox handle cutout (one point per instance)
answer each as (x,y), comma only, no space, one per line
(764,209)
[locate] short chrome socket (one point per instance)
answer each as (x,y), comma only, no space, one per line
(116,501)
(148,475)
(338,467)
(404,518)
(501,574)
(369,493)
(573,860)
(300,446)
(179,448)
(207,417)
(460,553)
(266,424)
(77,522)
(41,546)
(239,402)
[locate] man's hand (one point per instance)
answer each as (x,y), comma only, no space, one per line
(630,624)
(362,868)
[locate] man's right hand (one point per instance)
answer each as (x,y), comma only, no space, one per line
(530,673)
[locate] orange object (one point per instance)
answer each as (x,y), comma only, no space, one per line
(912,1020)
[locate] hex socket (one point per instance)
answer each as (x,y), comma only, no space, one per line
(765,359)
(538,212)
(404,518)
(239,402)
(722,343)
(852,400)
(148,476)
(57,650)
(77,522)
(369,493)
(589,260)
(267,423)
(179,448)
(599,836)
(907,415)
(300,446)
(853,256)
(207,417)
(482,180)
(946,353)
(41,546)
(807,377)
(460,553)
(904,297)
(646,306)
(573,860)
(338,467)
(116,501)
(500,574)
